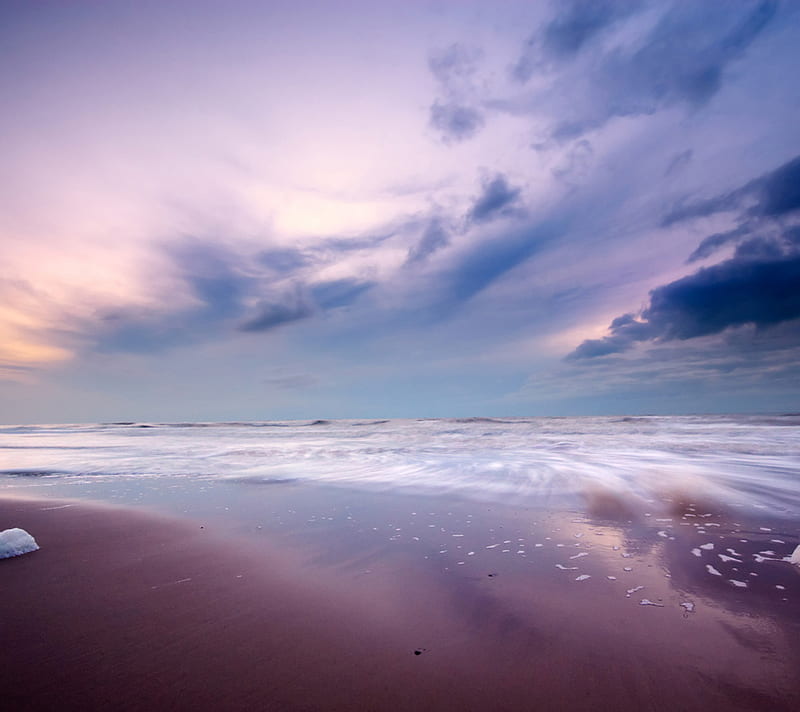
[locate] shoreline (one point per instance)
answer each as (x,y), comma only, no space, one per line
(126,610)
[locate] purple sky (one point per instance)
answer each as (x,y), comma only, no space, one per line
(251,210)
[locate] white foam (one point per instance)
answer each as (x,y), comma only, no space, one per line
(648,602)
(566,568)
(583,577)
(729,558)
(578,556)
(633,590)
(15,542)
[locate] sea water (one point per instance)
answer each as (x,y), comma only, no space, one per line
(747,462)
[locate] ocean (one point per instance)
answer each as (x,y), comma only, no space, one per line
(747,463)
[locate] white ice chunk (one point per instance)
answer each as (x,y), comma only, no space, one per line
(578,556)
(663,534)
(648,602)
(688,606)
(795,557)
(697,552)
(566,568)
(729,558)
(15,542)
(708,547)
(712,570)
(611,578)
(583,577)
(634,590)
(740,584)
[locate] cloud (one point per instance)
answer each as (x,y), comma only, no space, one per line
(433,239)
(278,310)
(679,162)
(288,381)
(741,368)
(668,55)
(455,122)
(780,190)
(714,242)
(285,260)
(773,195)
(681,62)
(562,38)
(495,200)
(455,114)
(759,285)
(490,259)
(339,293)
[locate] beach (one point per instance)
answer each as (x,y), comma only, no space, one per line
(124,609)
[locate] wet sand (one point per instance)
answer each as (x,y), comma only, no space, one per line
(124,610)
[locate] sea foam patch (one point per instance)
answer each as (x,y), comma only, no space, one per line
(15,542)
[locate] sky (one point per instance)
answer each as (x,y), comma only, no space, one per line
(284,210)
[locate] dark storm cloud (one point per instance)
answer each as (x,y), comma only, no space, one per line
(433,239)
(759,285)
(497,197)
